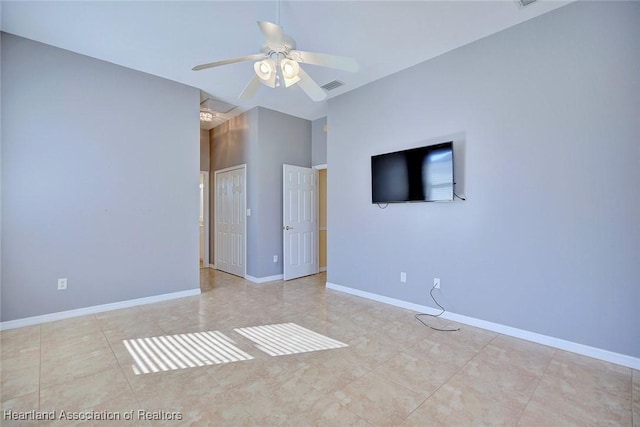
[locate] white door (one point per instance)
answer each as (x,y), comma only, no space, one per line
(230,224)
(300,221)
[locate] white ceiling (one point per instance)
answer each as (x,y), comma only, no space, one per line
(168,38)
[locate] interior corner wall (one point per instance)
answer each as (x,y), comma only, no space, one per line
(544,118)
(319,142)
(264,140)
(91,191)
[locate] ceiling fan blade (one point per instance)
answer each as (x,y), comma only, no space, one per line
(250,89)
(272,33)
(230,61)
(310,87)
(325,60)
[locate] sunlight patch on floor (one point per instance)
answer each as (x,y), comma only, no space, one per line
(287,338)
(171,352)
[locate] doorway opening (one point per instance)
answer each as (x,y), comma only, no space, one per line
(322,217)
(204,220)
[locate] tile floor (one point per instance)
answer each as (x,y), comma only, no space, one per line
(394,371)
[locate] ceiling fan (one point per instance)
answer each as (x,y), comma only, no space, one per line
(279,61)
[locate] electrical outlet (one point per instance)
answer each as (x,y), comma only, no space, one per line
(403,277)
(62,284)
(436,282)
(275,258)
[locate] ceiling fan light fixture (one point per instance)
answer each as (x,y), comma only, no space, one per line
(278,62)
(290,70)
(266,72)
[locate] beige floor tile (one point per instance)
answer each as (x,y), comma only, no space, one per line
(207,410)
(13,407)
(582,390)
(490,377)
(134,329)
(57,349)
(538,413)
(69,367)
(273,401)
(372,351)
(18,382)
(326,412)
(20,335)
(423,376)
(458,405)
(455,347)
(75,328)
(16,343)
(16,416)
(25,402)
(330,370)
(20,359)
(233,374)
(513,351)
(393,371)
(86,392)
(378,400)
(406,332)
(266,398)
(172,385)
(123,410)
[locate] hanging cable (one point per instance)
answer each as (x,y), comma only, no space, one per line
(417,316)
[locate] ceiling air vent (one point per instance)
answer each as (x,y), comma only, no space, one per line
(525,2)
(332,85)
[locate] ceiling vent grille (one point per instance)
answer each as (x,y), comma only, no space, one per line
(332,85)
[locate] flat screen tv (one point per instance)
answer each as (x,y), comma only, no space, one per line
(423,174)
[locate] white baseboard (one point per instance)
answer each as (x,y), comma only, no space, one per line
(585,350)
(264,279)
(211,266)
(52,317)
(322,269)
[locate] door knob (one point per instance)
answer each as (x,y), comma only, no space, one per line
(288,228)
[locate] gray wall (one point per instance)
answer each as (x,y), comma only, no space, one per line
(318,142)
(546,115)
(282,139)
(204,150)
(90,191)
(264,140)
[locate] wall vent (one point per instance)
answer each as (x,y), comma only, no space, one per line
(332,85)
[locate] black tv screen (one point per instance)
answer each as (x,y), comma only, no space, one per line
(422,174)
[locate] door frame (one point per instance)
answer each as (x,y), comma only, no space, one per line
(206,206)
(319,168)
(215,224)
